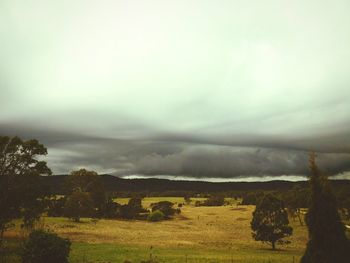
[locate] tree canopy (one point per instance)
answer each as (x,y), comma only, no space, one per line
(21,193)
(270,221)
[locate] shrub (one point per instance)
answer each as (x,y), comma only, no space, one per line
(165,207)
(132,210)
(155,216)
(212,201)
(187,199)
(43,247)
(110,209)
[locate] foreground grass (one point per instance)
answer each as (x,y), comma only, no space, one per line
(200,234)
(118,253)
(103,253)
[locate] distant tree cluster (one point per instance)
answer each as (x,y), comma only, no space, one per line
(87,197)
(213,200)
(252,198)
(166,208)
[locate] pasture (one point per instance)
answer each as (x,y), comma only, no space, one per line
(198,234)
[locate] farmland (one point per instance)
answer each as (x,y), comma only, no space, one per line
(198,234)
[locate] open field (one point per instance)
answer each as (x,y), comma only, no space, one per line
(200,234)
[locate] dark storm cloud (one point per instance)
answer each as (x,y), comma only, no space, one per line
(154,158)
(188,155)
(230,162)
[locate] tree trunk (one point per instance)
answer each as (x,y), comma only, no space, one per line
(299,217)
(2,231)
(273,243)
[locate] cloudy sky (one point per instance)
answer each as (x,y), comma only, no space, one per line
(219,90)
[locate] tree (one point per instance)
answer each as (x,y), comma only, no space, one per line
(55,207)
(131,210)
(296,199)
(187,199)
(214,201)
(327,240)
(21,192)
(81,180)
(79,204)
(270,221)
(88,181)
(252,198)
(18,157)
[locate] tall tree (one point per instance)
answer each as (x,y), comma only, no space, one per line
(79,204)
(270,221)
(88,181)
(81,180)
(21,194)
(327,240)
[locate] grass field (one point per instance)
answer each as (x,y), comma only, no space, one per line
(198,234)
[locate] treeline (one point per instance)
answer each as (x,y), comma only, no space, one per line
(87,197)
(164,187)
(298,198)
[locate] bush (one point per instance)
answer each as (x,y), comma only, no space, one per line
(110,209)
(43,247)
(212,201)
(165,207)
(155,216)
(132,210)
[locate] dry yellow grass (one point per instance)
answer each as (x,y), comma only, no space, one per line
(226,227)
(221,234)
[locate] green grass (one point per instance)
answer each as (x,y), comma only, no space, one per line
(103,253)
(117,253)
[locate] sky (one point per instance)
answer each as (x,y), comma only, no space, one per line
(213,90)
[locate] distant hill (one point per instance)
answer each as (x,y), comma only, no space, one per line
(115,184)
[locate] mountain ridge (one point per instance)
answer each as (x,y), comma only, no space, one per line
(116,184)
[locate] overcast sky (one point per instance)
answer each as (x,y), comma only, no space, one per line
(224,90)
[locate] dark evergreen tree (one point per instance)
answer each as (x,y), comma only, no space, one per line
(270,221)
(327,239)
